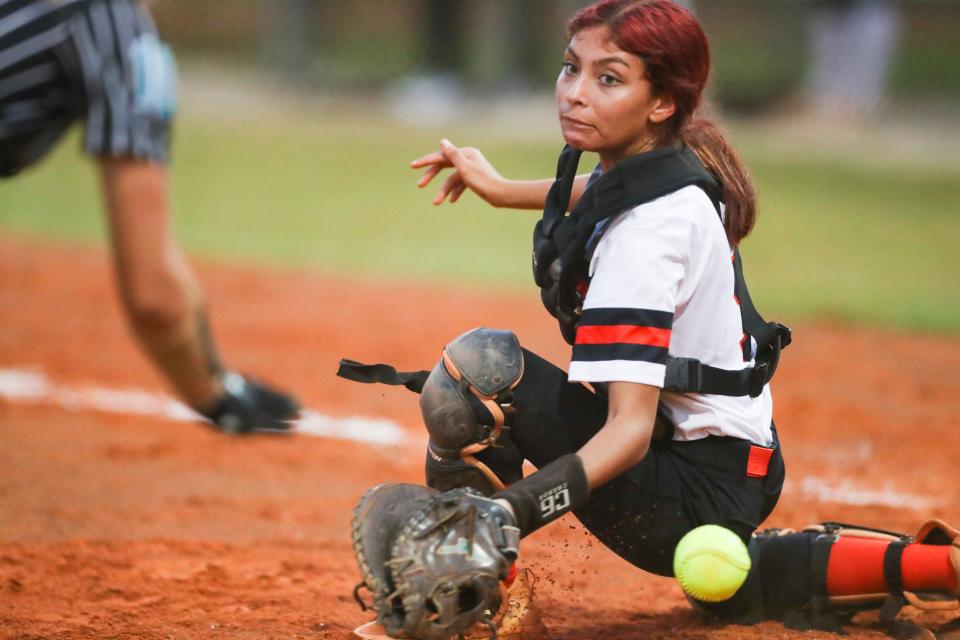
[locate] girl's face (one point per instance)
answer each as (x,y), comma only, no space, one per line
(605,102)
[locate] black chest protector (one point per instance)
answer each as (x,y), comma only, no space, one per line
(561,259)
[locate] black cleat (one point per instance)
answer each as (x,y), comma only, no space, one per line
(250,406)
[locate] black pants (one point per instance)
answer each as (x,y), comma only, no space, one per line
(642,514)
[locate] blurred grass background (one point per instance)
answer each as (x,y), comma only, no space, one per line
(327,186)
(302,163)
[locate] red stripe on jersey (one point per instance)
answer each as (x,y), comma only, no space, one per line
(623,334)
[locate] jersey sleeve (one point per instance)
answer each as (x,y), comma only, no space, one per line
(128,78)
(624,332)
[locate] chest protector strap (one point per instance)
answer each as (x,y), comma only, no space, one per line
(561,258)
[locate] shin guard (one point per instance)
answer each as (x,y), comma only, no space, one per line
(791,569)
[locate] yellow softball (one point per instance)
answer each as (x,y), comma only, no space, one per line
(711,563)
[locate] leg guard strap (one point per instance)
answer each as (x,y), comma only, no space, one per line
(444,473)
(893,576)
(820,560)
(381,373)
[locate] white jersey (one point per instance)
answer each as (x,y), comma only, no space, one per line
(662,283)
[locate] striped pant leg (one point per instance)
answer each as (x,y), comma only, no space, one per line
(128,78)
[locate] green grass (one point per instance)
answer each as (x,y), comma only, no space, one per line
(872,246)
(334,193)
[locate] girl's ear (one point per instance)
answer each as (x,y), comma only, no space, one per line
(663,109)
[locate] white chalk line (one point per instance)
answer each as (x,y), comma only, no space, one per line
(29,386)
(845,492)
(32,387)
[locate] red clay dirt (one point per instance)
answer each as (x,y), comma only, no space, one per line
(131,527)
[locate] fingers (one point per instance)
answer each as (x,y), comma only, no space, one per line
(435,163)
(452,182)
(436,157)
(449,156)
(429,175)
(451,153)
(456,192)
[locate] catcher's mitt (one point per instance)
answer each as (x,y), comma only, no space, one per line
(433,561)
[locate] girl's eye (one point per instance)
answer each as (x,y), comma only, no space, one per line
(569,68)
(608,80)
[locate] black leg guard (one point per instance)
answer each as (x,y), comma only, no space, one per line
(779,583)
(788,579)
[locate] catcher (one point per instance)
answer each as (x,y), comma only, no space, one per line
(663,421)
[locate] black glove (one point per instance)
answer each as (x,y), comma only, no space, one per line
(433,561)
(250,405)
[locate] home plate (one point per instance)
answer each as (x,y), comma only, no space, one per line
(369,631)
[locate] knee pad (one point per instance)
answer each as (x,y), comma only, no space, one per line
(464,403)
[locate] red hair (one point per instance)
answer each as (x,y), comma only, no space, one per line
(676,55)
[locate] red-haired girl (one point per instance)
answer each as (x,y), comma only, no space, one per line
(664,420)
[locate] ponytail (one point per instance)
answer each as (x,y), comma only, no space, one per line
(739,190)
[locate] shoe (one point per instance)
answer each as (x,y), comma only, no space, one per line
(938,532)
(247,406)
(517,618)
(934,532)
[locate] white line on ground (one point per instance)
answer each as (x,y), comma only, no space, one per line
(845,492)
(32,387)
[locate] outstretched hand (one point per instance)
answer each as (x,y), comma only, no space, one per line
(471,171)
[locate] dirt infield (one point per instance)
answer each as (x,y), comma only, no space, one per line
(119,526)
